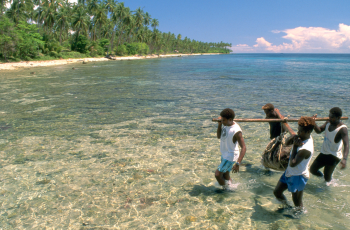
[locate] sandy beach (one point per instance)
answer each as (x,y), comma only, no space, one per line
(30,64)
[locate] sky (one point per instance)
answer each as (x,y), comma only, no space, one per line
(257,26)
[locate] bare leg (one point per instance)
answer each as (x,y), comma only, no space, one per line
(227,175)
(328,172)
(220,177)
(298,198)
(278,192)
(315,168)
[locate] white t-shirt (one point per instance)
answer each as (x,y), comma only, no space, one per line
(329,147)
(229,150)
(303,167)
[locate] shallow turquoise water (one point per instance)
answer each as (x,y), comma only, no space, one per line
(130,144)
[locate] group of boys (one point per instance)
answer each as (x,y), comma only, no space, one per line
(296,175)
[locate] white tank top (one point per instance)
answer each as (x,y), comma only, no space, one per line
(303,167)
(229,150)
(329,147)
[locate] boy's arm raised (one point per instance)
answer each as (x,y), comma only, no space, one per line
(321,128)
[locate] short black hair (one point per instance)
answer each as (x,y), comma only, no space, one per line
(268,106)
(336,111)
(308,123)
(227,113)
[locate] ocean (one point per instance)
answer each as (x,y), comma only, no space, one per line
(131,144)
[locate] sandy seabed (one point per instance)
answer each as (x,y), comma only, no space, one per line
(29,64)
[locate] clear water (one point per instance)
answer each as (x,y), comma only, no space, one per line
(130,144)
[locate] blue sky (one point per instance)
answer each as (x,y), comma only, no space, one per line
(307,26)
(257,26)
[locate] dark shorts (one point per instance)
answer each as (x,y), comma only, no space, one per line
(327,160)
(294,183)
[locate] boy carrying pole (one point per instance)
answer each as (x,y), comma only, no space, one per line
(230,135)
(297,173)
(336,136)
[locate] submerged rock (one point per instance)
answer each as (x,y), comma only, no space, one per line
(45,181)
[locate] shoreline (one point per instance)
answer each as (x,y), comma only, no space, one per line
(31,64)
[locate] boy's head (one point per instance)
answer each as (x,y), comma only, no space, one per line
(268,106)
(228,114)
(336,112)
(306,125)
(268,109)
(335,115)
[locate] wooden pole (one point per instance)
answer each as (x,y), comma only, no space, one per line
(277,120)
(282,119)
(285,124)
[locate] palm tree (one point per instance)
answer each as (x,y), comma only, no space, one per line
(49,15)
(19,10)
(147,19)
(118,16)
(154,23)
(2,6)
(147,37)
(128,23)
(111,7)
(178,41)
(106,19)
(139,17)
(92,6)
(80,21)
(100,18)
(63,20)
(155,37)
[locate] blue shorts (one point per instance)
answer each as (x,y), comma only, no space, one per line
(225,165)
(294,183)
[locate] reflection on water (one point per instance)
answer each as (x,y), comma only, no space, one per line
(131,144)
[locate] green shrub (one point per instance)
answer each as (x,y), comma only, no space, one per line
(26,58)
(96,50)
(29,40)
(72,54)
(144,48)
(137,48)
(53,54)
(53,46)
(66,45)
(132,48)
(81,44)
(104,44)
(121,50)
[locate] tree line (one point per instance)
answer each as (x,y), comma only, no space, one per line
(34,29)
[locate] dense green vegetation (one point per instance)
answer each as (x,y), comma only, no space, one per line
(47,29)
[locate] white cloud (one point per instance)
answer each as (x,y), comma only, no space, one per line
(242,48)
(304,40)
(261,42)
(276,31)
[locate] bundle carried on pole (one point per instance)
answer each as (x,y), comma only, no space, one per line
(276,154)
